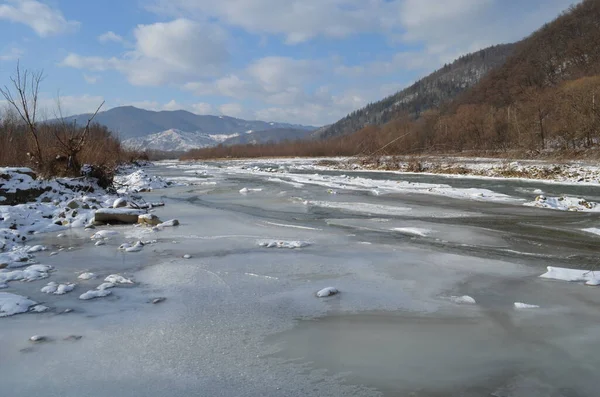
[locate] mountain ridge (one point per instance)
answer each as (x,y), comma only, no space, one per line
(432,91)
(132,122)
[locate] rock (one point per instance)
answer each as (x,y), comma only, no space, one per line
(169,223)
(149,219)
(158,300)
(120,203)
(38,338)
(73,338)
(118,215)
(187,256)
(72,204)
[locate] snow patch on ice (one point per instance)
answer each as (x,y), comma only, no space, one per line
(564,203)
(92,294)
(559,273)
(11,304)
(283,244)
(31,273)
(117,279)
(417,231)
(465,299)
(58,289)
(87,276)
(520,305)
(327,292)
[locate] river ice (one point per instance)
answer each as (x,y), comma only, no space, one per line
(430,272)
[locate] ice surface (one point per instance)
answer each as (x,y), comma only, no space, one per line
(11,304)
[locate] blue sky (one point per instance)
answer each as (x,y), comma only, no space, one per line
(301,61)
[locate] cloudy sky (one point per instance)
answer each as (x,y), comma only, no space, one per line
(301,61)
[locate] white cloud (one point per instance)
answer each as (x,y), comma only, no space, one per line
(297,20)
(110,36)
(12,54)
(91,79)
(202,108)
(164,53)
(197,108)
(231,109)
(43,19)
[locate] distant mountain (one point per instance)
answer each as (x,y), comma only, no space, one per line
(130,122)
(174,140)
(275,135)
(429,92)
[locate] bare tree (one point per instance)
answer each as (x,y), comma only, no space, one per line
(23,97)
(71,139)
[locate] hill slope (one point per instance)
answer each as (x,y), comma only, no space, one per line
(131,122)
(429,92)
(273,136)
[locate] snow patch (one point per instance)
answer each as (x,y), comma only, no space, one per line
(465,299)
(520,305)
(283,244)
(117,279)
(327,292)
(92,294)
(11,304)
(563,274)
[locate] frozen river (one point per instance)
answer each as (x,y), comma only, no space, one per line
(241,319)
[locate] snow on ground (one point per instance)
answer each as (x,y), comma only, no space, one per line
(140,181)
(588,276)
(564,203)
(11,304)
(283,244)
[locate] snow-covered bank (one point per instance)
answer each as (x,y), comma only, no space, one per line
(578,172)
(54,205)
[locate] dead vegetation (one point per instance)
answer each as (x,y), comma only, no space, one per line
(58,147)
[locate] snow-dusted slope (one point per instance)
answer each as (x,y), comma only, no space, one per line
(177,140)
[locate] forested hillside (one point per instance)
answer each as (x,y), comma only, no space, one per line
(429,92)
